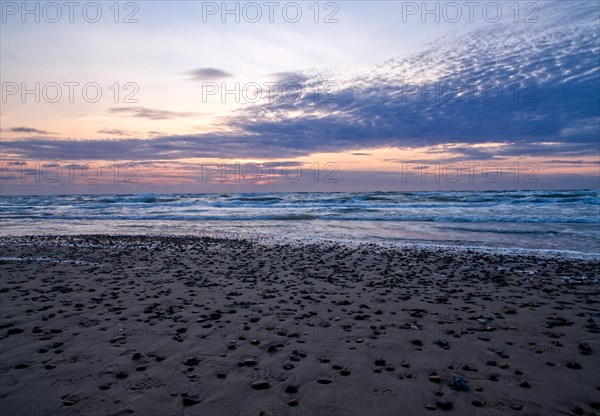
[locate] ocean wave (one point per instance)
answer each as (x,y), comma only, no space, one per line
(292,217)
(450,206)
(260,199)
(280,216)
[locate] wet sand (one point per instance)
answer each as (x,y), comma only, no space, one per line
(97,325)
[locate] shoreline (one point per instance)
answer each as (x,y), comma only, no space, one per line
(218,326)
(403,244)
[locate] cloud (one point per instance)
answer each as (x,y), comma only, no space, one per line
(589,126)
(572,162)
(28,130)
(114,132)
(206,74)
(289,76)
(149,113)
(361,154)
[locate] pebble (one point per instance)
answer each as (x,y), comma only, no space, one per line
(444,405)
(516,406)
(192,361)
(14,331)
(585,348)
(434,378)
(260,385)
(577,410)
(444,344)
(191,400)
(459,384)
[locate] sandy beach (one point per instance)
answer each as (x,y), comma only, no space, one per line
(96,325)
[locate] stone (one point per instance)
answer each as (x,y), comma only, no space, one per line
(260,385)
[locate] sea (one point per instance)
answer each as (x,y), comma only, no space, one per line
(562,221)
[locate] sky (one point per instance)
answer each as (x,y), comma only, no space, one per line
(192,96)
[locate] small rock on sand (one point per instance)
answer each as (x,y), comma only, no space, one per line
(260,385)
